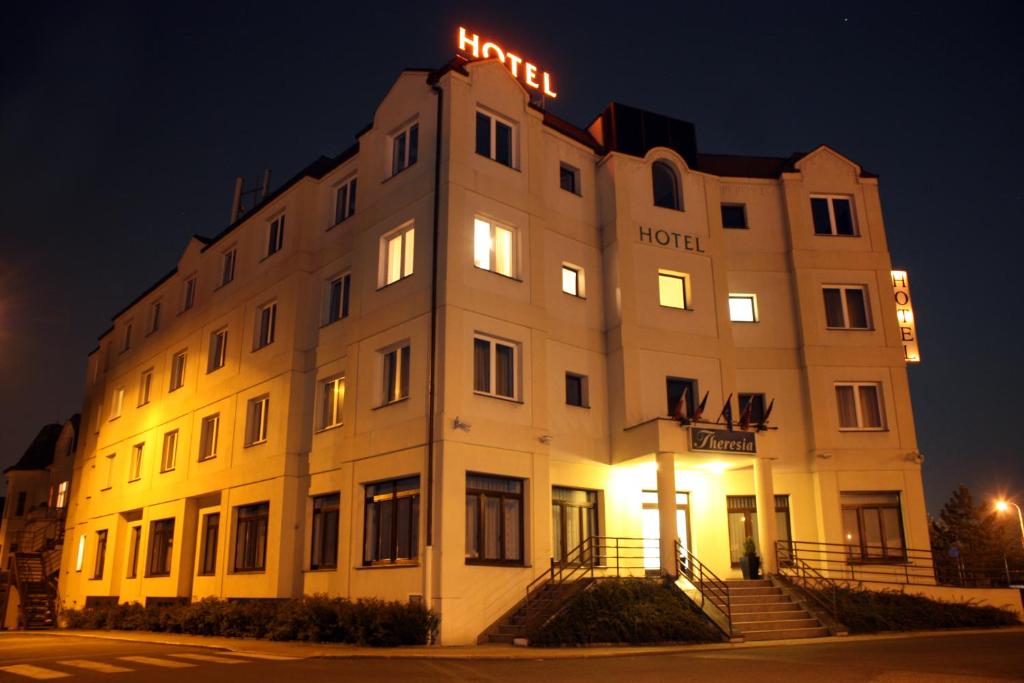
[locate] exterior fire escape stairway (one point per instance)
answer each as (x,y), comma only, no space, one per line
(33,571)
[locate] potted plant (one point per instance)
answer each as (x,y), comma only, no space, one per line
(750,563)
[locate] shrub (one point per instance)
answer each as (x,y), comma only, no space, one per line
(316,618)
(866,611)
(626,611)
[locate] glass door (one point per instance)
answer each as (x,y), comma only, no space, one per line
(651,527)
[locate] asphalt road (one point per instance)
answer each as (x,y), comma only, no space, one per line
(967,657)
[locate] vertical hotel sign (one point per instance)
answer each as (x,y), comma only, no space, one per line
(905,316)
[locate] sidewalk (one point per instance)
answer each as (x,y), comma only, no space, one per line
(309,650)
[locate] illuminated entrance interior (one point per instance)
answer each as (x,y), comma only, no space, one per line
(743,523)
(652,526)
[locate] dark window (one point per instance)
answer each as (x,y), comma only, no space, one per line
(569,178)
(396,375)
(345,201)
(483,134)
(666,186)
(161,542)
(734,216)
(873,526)
(832,216)
(575,390)
(742,516)
(494,367)
(405,148)
(101,554)
(337,298)
(494,520)
(846,308)
(822,217)
(756,404)
(208,557)
(19,509)
(266,321)
(251,537)
(573,519)
(218,350)
(133,552)
(324,542)
(493,139)
(392,522)
(275,236)
(227,273)
(676,387)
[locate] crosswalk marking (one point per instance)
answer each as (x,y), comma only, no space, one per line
(102,667)
(155,661)
(36,672)
(209,658)
(261,655)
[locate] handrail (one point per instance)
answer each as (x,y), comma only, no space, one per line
(710,588)
(595,555)
(809,580)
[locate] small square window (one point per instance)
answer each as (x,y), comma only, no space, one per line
(569,178)
(743,308)
(573,280)
(734,216)
(577,390)
(673,289)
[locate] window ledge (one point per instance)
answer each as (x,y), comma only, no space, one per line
(850,329)
(497,563)
(319,570)
(389,565)
(687,309)
(573,405)
(260,348)
(574,296)
(334,322)
(506,399)
(335,224)
(330,428)
(106,488)
(503,165)
(745,322)
(494,272)
(248,571)
(271,255)
(132,481)
(217,289)
(399,172)
(207,458)
(834,234)
(255,443)
(391,403)
(864,429)
(392,284)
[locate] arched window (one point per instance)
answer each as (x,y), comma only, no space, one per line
(666,186)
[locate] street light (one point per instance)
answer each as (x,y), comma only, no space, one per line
(1003,505)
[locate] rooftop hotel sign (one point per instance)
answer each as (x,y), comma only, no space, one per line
(722,441)
(905,316)
(526,72)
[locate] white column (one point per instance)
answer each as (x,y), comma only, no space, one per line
(767,533)
(667,511)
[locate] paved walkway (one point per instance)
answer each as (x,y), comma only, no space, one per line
(494,652)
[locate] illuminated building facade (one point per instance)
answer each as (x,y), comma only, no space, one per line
(256,424)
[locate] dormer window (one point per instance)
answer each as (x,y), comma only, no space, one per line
(665,182)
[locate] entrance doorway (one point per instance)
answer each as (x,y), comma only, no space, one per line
(651,526)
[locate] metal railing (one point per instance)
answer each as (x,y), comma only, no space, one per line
(41,532)
(715,599)
(595,556)
(855,564)
(811,583)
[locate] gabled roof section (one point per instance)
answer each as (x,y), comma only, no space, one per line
(39,455)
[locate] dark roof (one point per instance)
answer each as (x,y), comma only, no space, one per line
(635,132)
(39,455)
(742,166)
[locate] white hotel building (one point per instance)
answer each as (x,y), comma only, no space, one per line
(425,367)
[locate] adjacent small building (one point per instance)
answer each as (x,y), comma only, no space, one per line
(427,366)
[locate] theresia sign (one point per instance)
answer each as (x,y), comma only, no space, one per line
(722,441)
(525,71)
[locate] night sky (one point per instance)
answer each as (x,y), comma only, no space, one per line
(122,130)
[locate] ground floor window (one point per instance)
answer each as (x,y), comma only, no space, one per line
(494,520)
(742,511)
(161,543)
(208,557)
(133,552)
(324,545)
(873,526)
(573,519)
(251,537)
(392,522)
(101,553)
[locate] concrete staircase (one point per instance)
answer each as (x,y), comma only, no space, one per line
(762,611)
(517,622)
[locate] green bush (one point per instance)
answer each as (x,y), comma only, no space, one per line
(626,611)
(315,618)
(866,611)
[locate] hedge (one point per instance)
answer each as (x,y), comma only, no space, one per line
(631,611)
(317,618)
(866,611)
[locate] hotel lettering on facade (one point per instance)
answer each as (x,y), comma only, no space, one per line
(423,368)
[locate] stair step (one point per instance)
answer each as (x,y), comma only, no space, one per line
(743,591)
(752,583)
(780,625)
(768,615)
(760,599)
(785,634)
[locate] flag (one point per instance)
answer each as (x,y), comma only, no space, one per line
(681,412)
(700,409)
(767,413)
(726,412)
(745,413)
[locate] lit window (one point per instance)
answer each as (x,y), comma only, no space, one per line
(227,266)
(672,289)
(324,536)
(218,350)
(397,250)
(116,403)
(257,415)
(873,526)
(743,308)
(188,294)
(336,298)
(145,386)
(572,280)
(734,216)
(569,178)
(396,374)
(577,390)
(135,466)
(494,247)
(332,394)
(170,451)
(833,216)
(846,307)
(345,201)
(405,148)
(275,235)
(178,370)
(80,556)
(666,186)
(494,520)
(391,521)
(494,138)
(62,495)
(495,367)
(266,319)
(208,433)
(860,406)
(251,537)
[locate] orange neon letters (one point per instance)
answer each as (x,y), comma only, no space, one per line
(470,43)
